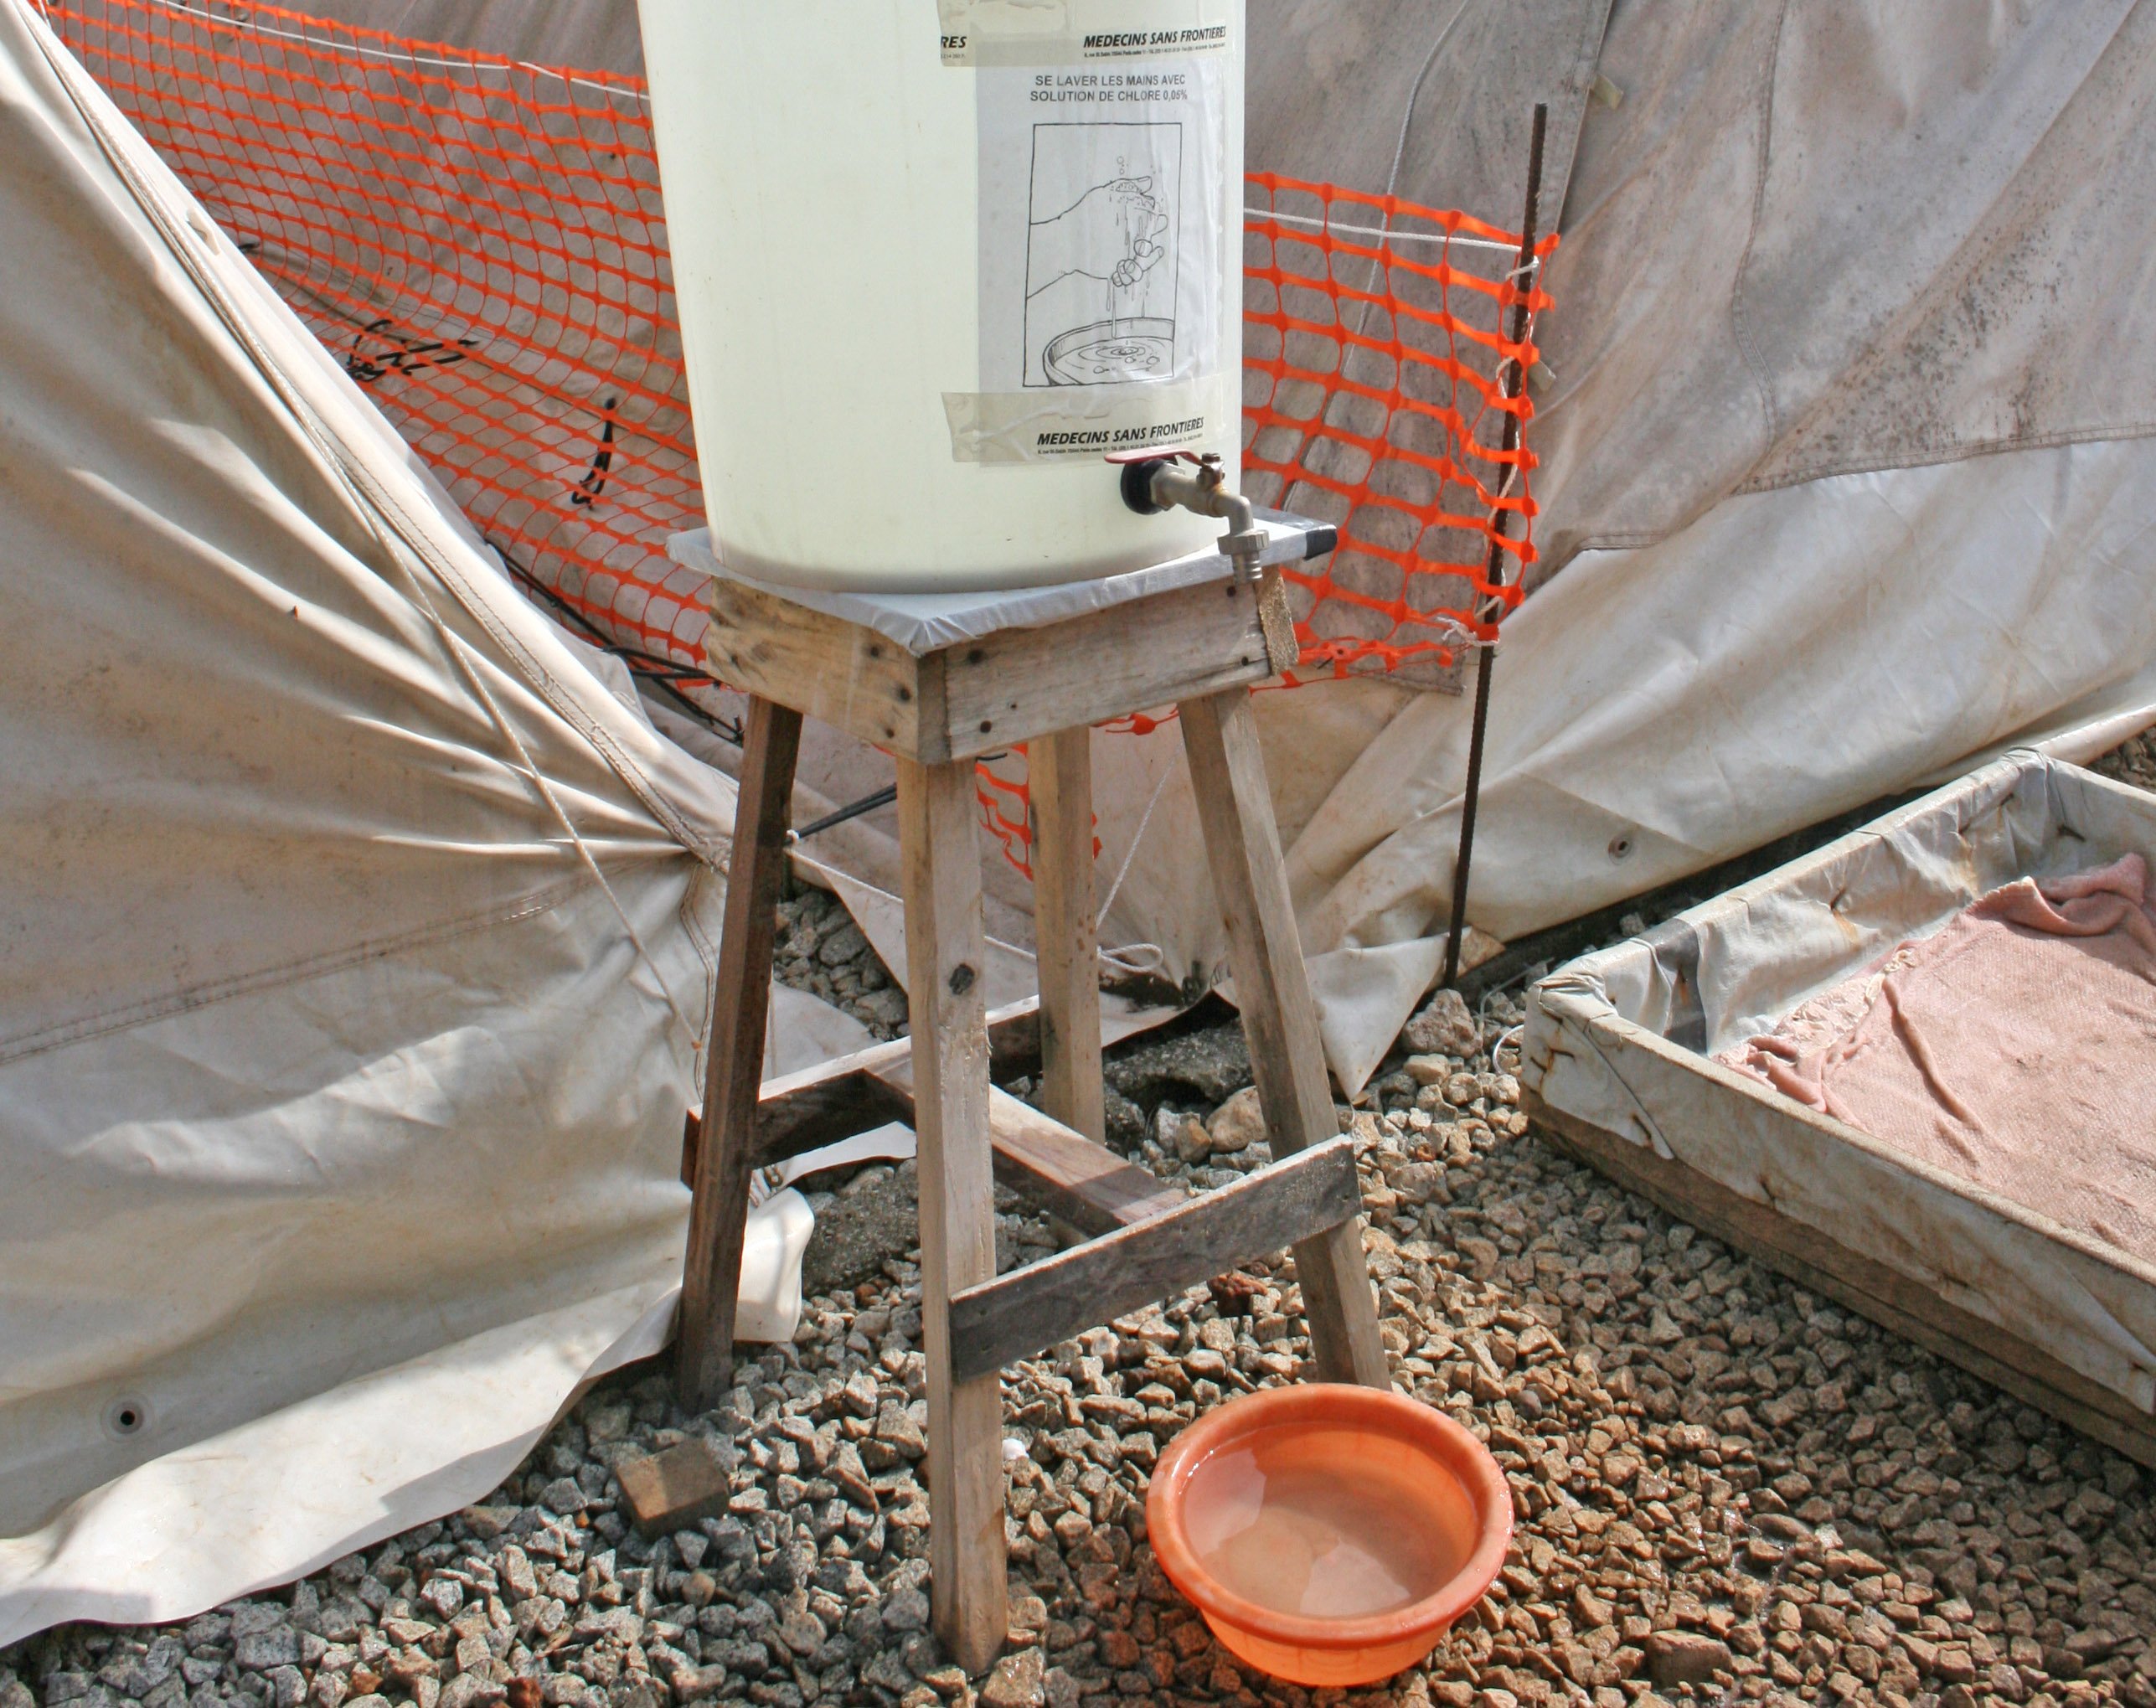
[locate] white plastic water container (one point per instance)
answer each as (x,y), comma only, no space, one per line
(934,261)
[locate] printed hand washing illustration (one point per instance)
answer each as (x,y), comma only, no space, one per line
(1100,253)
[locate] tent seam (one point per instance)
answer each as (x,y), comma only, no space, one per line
(1637,539)
(1592,41)
(2122,432)
(212,992)
(1739,326)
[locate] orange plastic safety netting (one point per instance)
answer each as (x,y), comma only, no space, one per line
(481,243)
(1369,402)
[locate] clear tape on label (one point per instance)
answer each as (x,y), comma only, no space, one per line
(1044,33)
(1089,422)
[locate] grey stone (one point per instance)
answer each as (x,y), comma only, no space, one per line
(343,1617)
(258,1651)
(163,1656)
(919,1653)
(857,1398)
(744,1656)
(487,1522)
(607,1419)
(1444,1027)
(251,1616)
(287,1686)
(696,1684)
(802,1631)
(900,1429)
(1060,1689)
(851,1477)
(1015,1682)
(690,1547)
(906,1609)
(620,1625)
(1634,1378)
(882,1010)
(471,1689)
(1686,1657)
(127,1676)
(1125,1121)
(846,944)
(518,1580)
(565,1495)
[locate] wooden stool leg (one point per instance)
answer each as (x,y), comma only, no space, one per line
(945,951)
(1059,772)
(733,1072)
(1280,1017)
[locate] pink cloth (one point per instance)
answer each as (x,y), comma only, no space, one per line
(2016,1049)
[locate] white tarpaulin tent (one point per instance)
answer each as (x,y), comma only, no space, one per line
(354,939)
(1846,472)
(1848,479)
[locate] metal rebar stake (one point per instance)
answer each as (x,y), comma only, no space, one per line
(1515,382)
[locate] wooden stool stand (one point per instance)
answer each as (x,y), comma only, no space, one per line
(1197,642)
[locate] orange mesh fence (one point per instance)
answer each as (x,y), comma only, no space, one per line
(1370,402)
(481,243)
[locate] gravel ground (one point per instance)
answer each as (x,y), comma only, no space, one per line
(821,950)
(1728,1489)
(2134,761)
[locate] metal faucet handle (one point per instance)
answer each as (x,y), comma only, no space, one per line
(1140,466)
(1149,455)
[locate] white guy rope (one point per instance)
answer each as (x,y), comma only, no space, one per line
(355,49)
(1120,959)
(1386,234)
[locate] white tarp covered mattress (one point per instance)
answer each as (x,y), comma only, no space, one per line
(2015,1047)
(1623,1041)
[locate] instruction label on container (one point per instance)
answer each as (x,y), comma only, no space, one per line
(1104,161)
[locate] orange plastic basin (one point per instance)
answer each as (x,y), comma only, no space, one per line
(1330,1534)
